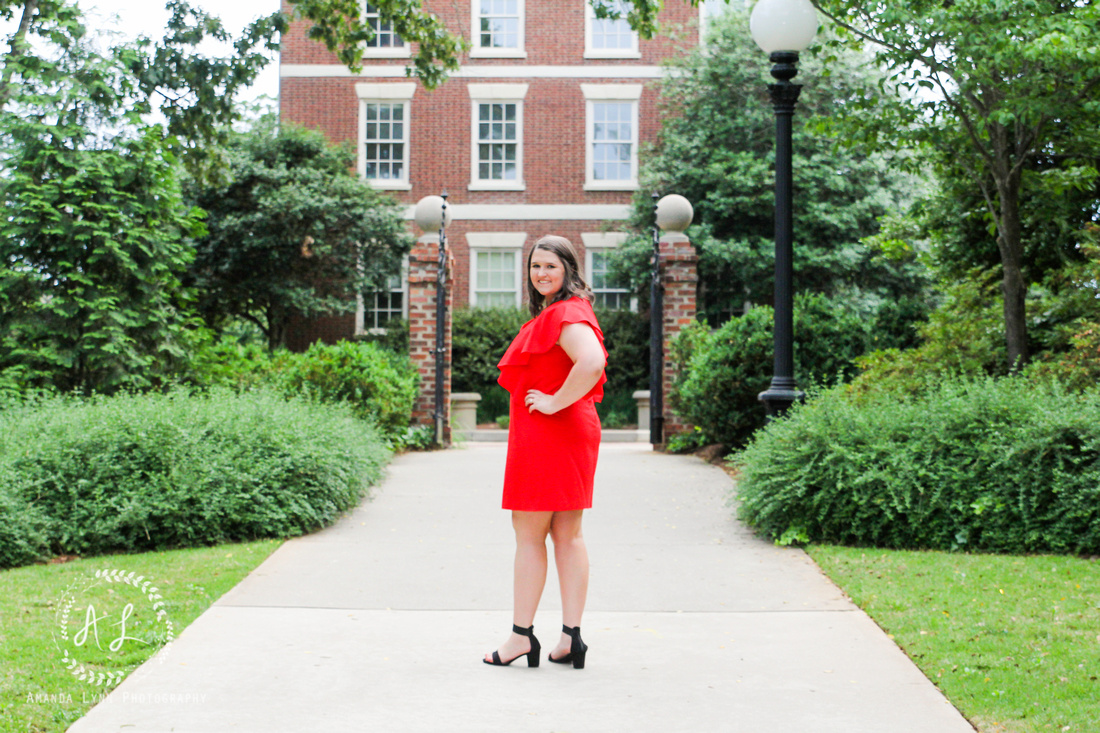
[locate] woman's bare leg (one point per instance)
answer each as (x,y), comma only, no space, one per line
(571,557)
(529,579)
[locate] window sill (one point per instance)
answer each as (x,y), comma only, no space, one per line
(611,186)
(388,52)
(497,53)
(384,185)
(497,186)
(612,54)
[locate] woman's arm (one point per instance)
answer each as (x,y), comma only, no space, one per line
(581,344)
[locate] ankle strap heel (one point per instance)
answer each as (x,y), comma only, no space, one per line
(536,648)
(578,650)
(532,656)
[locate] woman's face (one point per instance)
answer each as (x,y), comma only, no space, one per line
(547,273)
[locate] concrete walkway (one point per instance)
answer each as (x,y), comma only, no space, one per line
(379,624)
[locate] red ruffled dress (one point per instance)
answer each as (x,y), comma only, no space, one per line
(551,458)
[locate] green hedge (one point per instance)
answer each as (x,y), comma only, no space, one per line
(1006,465)
(148,472)
(481,335)
(379,384)
(722,373)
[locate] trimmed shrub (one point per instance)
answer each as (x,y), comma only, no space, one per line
(726,370)
(23,537)
(1007,465)
(626,338)
(379,385)
(479,337)
(149,472)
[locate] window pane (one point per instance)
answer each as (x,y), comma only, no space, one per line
(613,34)
(385,141)
(613,141)
(498,24)
(495,279)
(492,155)
(384,36)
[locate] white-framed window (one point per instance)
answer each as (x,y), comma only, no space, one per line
(496,116)
(386,43)
(496,268)
(611,136)
(498,29)
(609,38)
(608,294)
(384,134)
(375,310)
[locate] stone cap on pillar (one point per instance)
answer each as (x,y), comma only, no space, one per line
(430,216)
(674,215)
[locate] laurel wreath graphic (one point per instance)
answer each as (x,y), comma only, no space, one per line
(112,575)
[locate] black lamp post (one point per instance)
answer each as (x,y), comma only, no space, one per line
(783,28)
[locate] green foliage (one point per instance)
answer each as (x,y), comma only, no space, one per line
(376,383)
(23,534)
(716,147)
(91,252)
(140,472)
(94,237)
(723,372)
(1005,465)
(963,336)
(292,231)
(479,337)
(1011,149)
(626,338)
(340,25)
(395,336)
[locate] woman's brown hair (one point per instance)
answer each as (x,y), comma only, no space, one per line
(573,284)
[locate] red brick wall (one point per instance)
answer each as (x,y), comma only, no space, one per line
(423,269)
(440,145)
(680,278)
(554,34)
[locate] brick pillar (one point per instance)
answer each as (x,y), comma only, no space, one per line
(423,267)
(680,277)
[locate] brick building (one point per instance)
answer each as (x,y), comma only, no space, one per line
(538,132)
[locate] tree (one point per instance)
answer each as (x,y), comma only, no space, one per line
(91,243)
(341,26)
(292,231)
(992,87)
(93,240)
(716,147)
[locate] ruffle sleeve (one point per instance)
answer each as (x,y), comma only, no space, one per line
(540,335)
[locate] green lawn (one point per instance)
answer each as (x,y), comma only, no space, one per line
(37,692)
(1014,642)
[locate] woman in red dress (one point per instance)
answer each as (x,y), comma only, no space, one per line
(554,373)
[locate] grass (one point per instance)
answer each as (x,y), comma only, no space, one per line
(1012,641)
(37,692)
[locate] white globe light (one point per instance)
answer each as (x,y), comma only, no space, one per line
(783,25)
(429,214)
(674,213)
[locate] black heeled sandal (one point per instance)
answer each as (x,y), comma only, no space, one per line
(532,656)
(577,648)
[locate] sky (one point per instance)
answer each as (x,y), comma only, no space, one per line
(148,17)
